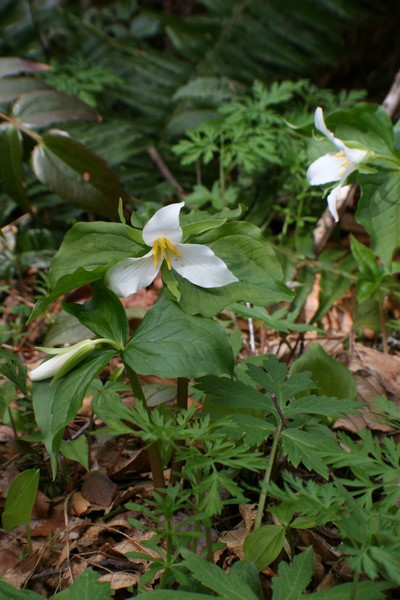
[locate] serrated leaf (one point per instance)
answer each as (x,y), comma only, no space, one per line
(77,174)
(264,545)
(20,499)
(171,343)
(85,587)
(322,405)
(234,394)
(300,446)
(40,108)
(366,590)
(229,587)
(11,167)
(293,579)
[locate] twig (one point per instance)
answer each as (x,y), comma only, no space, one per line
(252,342)
(66,521)
(326,224)
(164,170)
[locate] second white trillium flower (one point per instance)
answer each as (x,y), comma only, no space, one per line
(163,234)
(335,166)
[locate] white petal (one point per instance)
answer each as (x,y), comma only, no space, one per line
(199,265)
(332,199)
(355,155)
(164,223)
(327,168)
(131,275)
(321,125)
(50,367)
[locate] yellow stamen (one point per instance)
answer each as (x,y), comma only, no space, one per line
(161,248)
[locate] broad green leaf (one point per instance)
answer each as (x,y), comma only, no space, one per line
(251,258)
(368,124)
(330,377)
(171,343)
(229,587)
(86,253)
(293,579)
(56,404)
(379,211)
(11,168)
(264,545)
(41,108)
(77,174)
(86,587)
(12,65)
(20,499)
(12,87)
(103,314)
(77,450)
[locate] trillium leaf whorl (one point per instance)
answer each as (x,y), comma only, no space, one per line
(163,233)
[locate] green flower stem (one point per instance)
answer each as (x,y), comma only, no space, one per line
(153,449)
(353,591)
(182,387)
(267,477)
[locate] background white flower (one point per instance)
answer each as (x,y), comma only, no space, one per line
(163,234)
(335,166)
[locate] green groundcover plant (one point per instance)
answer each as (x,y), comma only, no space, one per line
(209,261)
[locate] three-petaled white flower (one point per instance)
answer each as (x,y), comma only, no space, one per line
(163,234)
(335,166)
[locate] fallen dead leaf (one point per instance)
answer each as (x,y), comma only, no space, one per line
(99,489)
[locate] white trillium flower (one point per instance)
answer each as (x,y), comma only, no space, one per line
(335,166)
(163,234)
(71,355)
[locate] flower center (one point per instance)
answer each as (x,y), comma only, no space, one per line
(161,248)
(343,164)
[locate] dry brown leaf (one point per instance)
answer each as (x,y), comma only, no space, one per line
(120,579)
(99,489)
(79,505)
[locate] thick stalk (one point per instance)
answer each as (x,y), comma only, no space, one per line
(153,449)
(267,477)
(210,555)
